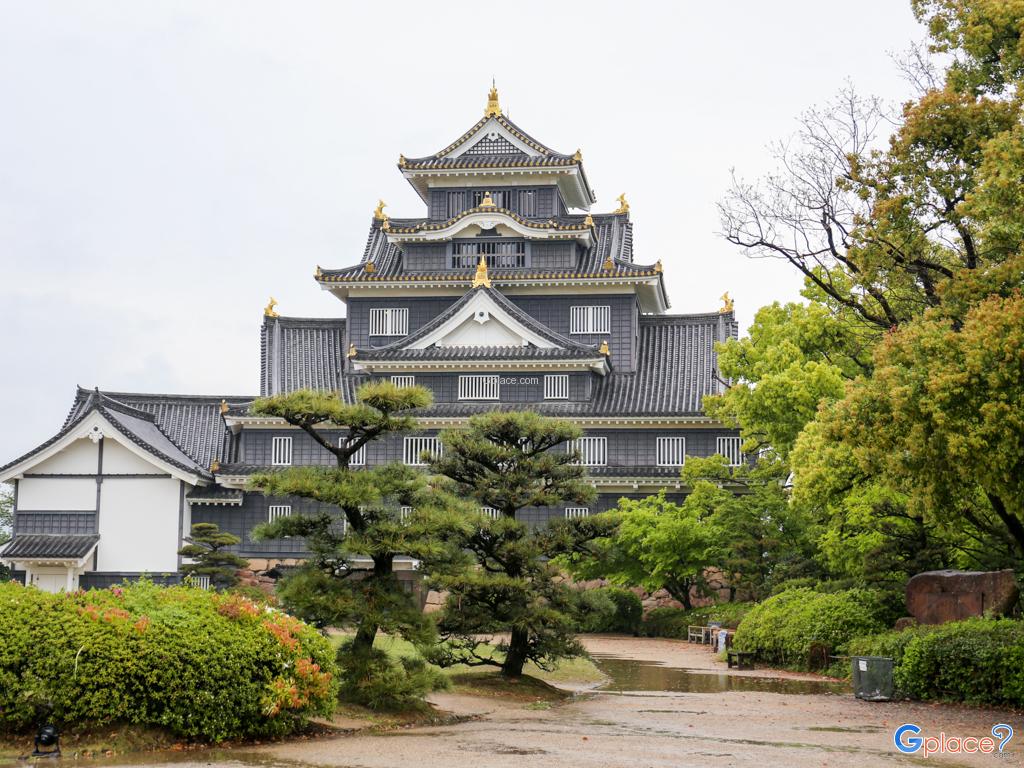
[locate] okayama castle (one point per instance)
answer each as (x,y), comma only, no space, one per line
(508,294)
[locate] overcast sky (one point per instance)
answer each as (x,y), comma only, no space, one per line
(166,166)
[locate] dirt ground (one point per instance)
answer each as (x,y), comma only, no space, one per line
(638,729)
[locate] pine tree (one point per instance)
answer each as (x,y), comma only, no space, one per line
(207,547)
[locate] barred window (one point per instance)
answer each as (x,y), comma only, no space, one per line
(404,513)
(671,451)
(490,512)
(590,319)
(357,459)
(573,512)
(593,451)
(389,322)
(502,254)
(415,447)
(731,448)
(281,451)
(403,381)
(477,387)
(197,581)
(556,386)
(277,511)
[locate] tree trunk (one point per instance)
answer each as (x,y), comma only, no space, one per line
(515,659)
(365,635)
(1013,524)
(681,592)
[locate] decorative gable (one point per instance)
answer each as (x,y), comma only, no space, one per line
(482,322)
(494,138)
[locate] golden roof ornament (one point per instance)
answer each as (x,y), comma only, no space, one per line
(351,350)
(223,406)
(623,205)
(589,221)
(378,212)
(402,162)
(603,349)
(578,156)
(608,265)
(370,268)
(657,267)
(487,202)
(319,272)
(493,107)
(214,466)
(481,279)
(726,303)
(269,311)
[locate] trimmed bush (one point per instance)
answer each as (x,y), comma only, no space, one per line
(787,628)
(979,661)
(673,622)
(202,665)
(628,610)
(595,611)
(380,682)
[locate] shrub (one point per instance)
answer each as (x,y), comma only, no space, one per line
(673,622)
(379,681)
(980,661)
(786,629)
(628,610)
(595,611)
(201,664)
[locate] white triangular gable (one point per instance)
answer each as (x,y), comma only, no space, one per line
(94,427)
(493,130)
(482,322)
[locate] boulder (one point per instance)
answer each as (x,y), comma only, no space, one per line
(935,597)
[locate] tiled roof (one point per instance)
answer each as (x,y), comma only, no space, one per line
(300,352)
(399,349)
(192,423)
(44,545)
(382,260)
(515,130)
(676,367)
(215,494)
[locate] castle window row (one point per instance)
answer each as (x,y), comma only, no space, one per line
(583,319)
(389,322)
(590,319)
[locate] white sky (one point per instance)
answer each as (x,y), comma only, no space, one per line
(166,166)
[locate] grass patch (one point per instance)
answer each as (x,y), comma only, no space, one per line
(580,671)
(95,742)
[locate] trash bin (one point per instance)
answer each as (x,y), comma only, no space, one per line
(872,678)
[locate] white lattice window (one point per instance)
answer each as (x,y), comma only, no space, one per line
(404,513)
(197,581)
(403,381)
(591,319)
(281,451)
(731,448)
(357,459)
(415,447)
(593,451)
(574,512)
(389,322)
(490,512)
(671,451)
(277,511)
(479,387)
(556,386)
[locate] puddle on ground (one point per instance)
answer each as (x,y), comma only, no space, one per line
(633,675)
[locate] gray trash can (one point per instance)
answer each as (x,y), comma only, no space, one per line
(872,678)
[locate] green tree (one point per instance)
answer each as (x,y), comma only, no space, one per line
(509,462)
(6,514)
(349,577)
(208,549)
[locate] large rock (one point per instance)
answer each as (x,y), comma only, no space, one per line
(935,597)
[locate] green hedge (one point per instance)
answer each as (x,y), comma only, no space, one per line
(980,661)
(201,664)
(672,622)
(608,609)
(785,629)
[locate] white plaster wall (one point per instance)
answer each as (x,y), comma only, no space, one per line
(474,334)
(139,525)
(67,494)
(117,459)
(79,458)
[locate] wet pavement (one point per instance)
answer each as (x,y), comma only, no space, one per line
(666,704)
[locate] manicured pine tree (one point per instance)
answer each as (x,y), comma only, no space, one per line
(349,578)
(207,548)
(508,462)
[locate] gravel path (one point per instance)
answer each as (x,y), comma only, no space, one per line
(606,729)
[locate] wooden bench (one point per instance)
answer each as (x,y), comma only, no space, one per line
(694,634)
(739,659)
